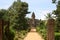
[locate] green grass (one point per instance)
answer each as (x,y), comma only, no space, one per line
(56,33)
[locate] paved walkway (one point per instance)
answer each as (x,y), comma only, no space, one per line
(33,35)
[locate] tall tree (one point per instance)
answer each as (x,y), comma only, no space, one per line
(18,11)
(49,16)
(57,13)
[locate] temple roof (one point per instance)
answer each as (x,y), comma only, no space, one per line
(33,15)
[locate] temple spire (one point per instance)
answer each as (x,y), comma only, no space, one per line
(33,15)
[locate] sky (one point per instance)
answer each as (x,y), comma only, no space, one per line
(39,7)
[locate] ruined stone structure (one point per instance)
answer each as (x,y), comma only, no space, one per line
(50,29)
(33,24)
(32,21)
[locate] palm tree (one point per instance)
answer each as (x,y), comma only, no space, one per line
(49,16)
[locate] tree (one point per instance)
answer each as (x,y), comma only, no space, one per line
(18,11)
(53,1)
(15,14)
(49,16)
(42,24)
(57,13)
(2,13)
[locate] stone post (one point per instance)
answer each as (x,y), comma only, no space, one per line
(50,29)
(1,29)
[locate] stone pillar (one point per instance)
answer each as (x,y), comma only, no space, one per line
(50,29)
(1,29)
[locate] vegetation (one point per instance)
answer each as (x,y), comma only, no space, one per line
(17,22)
(15,14)
(57,13)
(41,28)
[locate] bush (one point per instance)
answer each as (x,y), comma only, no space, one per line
(42,31)
(57,36)
(8,35)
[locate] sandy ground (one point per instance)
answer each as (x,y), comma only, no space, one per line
(33,35)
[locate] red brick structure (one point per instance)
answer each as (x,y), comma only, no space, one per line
(50,29)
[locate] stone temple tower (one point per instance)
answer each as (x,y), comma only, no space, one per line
(33,15)
(33,25)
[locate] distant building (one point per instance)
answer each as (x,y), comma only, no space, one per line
(32,21)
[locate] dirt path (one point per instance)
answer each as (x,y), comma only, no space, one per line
(33,35)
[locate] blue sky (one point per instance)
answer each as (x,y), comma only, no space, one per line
(39,7)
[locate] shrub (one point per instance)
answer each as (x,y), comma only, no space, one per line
(8,35)
(57,36)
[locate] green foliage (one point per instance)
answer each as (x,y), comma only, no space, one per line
(2,13)
(42,24)
(8,35)
(57,36)
(57,13)
(41,28)
(21,35)
(49,16)
(42,31)
(15,14)
(18,11)
(53,1)
(57,25)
